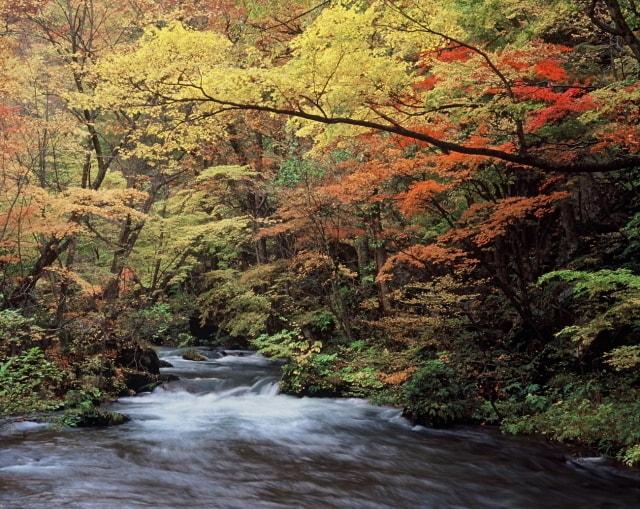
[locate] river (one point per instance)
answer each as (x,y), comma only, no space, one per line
(222,437)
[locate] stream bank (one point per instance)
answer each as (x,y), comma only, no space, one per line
(223,437)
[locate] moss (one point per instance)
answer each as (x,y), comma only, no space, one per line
(194,355)
(93,417)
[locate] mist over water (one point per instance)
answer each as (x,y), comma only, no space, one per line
(222,437)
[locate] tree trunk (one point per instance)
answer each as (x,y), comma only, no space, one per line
(364,257)
(49,254)
(64,287)
(380,256)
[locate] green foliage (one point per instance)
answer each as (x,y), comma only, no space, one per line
(307,369)
(17,332)
(361,382)
(185,339)
(594,284)
(234,306)
(286,344)
(632,250)
(321,369)
(437,396)
(492,21)
(323,321)
(624,357)
(611,424)
(609,301)
(294,171)
(518,399)
(155,322)
(79,405)
(632,456)
(82,410)
(161,323)
(29,383)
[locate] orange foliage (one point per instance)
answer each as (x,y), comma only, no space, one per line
(496,218)
(420,194)
(621,136)
(421,257)
(397,378)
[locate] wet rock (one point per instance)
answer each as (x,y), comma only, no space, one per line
(140,381)
(97,417)
(216,353)
(168,377)
(140,358)
(165,364)
(194,355)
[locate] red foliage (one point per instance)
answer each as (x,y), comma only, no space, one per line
(455,54)
(429,83)
(551,70)
(623,136)
(560,104)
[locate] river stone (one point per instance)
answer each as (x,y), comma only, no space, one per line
(140,358)
(100,418)
(165,364)
(194,355)
(140,381)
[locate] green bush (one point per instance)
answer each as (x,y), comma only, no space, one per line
(82,410)
(160,323)
(316,368)
(435,395)
(611,424)
(286,344)
(29,383)
(237,309)
(606,301)
(155,322)
(17,333)
(631,456)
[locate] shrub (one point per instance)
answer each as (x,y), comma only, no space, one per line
(611,424)
(17,333)
(435,395)
(82,410)
(29,383)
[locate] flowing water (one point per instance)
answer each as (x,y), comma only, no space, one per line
(222,437)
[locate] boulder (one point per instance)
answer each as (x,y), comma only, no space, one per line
(97,417)
(194,355)
(140,358)
(140,381)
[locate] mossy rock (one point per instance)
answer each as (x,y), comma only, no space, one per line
(94,417)
(194,355)
(140,381)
